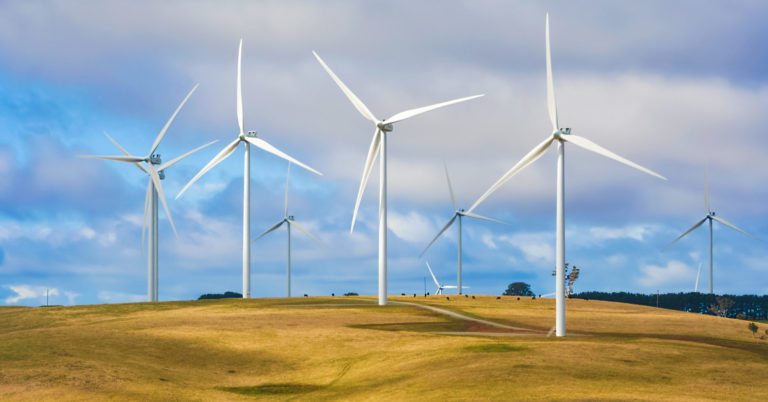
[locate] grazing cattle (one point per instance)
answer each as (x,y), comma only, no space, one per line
(447,298)
(498,297)
(473,297)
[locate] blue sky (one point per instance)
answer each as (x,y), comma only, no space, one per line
(675,86)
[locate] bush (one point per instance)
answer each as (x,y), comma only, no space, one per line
(225,295)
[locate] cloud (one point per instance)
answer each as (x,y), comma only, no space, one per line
(535,246)
(28,292)
(119,297)
(635,232)
(674,273)
(412,227)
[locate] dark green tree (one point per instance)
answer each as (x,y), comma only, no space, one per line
(518,289)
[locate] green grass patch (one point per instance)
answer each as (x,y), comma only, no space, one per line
(494,348)
(272,389)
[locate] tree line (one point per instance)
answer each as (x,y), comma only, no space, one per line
(747,307)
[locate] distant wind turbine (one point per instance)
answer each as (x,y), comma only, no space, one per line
(247,138)
(709,217)
(440,287)
(154,187)
(288,221)
(560,136)
(379,144)
(457,214)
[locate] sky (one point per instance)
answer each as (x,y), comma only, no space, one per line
(679,87)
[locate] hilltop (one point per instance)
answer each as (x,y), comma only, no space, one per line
(349,348)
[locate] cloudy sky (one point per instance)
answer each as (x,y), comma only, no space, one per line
(677,86)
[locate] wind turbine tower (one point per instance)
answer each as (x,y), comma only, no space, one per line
(561,136)
(379,146)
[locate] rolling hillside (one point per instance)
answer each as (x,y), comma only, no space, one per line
(349,348)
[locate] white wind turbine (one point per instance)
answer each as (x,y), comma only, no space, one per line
(709,217)
(154,187)
(247,138)
(458,214)
(561,136)
(288,221)
(440,287)
(379,145)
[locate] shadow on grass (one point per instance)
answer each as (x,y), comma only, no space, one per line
(272,389)
(441,326)
(494,348)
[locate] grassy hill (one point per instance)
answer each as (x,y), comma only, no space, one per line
(349,348)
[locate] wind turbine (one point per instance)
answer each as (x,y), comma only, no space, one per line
(709,217)
(458,214)
(247,138)
(154,187)
(379,145)
(288,220)
(440,287)
(560,136)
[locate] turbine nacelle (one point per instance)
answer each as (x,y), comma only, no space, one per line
(252,134)
(155,159)
(386,127)
(561,131)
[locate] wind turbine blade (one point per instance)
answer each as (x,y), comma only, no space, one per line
(373,151)
(447,225)
(168,123)
(433,275)
(277,225)
(551,104)
(178,158)
(414,112)
(130,159)
(450,187)
(287,178)
(476,216)
(223,154)
(293,222)
(240,86)
(142,168)
(706,190)
(159,187)
(529,158)
(591,146)
(359,105)
(450,287)
(698,274)
(732,226)
(146,210)
(269,148)
(688,231)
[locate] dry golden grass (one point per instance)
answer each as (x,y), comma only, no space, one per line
(347,348)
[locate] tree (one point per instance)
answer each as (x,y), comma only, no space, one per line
(569,277)
(225,295)
(722,306)
(518,289)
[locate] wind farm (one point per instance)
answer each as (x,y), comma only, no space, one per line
(370,300)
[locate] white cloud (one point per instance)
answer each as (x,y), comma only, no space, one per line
(28,292)
(488,241)
(535,246)
(413,227)
(675,272)
(119,297)
(636,232)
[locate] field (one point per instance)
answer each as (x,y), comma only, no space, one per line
(348,348)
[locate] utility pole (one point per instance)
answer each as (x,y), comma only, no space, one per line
(46,297)
(425,286)
(657,298)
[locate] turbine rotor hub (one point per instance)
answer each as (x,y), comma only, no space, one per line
(386,127)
